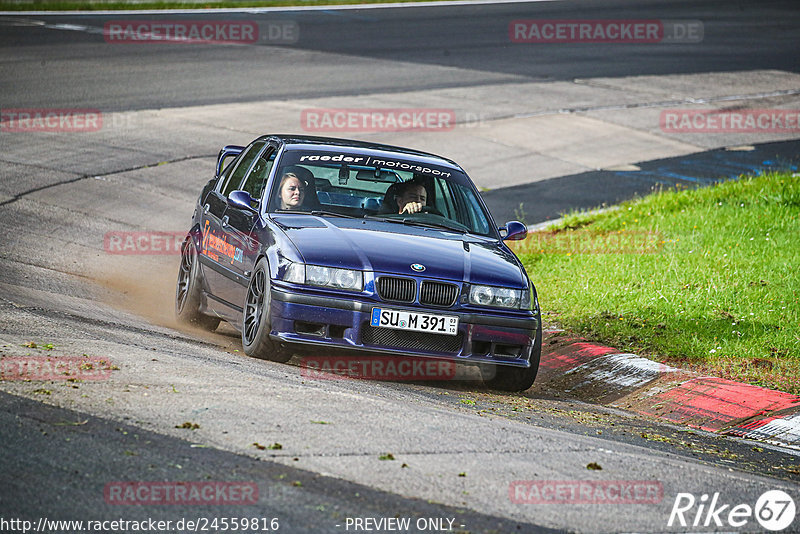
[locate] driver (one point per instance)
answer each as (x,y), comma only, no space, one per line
(411,197)
(292,191)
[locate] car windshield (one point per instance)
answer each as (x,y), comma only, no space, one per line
(350,185)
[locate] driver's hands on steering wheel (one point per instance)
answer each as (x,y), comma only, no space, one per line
(412,197)
(412,207)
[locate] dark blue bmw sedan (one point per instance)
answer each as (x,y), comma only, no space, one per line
(309,243)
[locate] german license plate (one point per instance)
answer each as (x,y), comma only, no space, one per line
(418,322)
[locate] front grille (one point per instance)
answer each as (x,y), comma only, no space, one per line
(397,289)
(438,293)
(400,339)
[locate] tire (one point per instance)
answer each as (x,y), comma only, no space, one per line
(506,378)
(188,291)
(255,319)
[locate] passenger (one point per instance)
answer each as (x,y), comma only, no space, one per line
(292,191)
(411,197)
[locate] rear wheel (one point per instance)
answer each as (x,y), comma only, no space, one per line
(515,378)
(255,321)
(188,291)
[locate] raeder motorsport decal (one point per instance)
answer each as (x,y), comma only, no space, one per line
(213,242)
(374,162)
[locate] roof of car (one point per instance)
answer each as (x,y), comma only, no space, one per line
(351,145)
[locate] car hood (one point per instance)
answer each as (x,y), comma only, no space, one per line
(392,248)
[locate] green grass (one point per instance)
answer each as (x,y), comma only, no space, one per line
(706,279)
(96,5)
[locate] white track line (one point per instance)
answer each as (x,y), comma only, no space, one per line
(332,7)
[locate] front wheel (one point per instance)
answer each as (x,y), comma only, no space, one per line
(506,378)
(255,319)
(188,291)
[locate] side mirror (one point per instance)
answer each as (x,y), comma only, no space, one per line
(515,231)
(242,200)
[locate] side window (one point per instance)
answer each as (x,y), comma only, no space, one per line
(474,214)
(257,179)
(235,177)
(444,200)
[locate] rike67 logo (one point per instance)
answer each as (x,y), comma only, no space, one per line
(774,510)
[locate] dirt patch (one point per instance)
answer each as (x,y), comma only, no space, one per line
(145,287)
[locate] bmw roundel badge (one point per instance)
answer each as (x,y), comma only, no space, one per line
(418,267)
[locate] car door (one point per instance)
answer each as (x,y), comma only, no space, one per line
(238,227)
(214,251)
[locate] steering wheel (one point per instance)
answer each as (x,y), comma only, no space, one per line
(425,209)
(431,210)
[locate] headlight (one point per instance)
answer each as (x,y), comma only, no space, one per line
(295,272)
(317,275)
(498,297)
(525,304)
(529,299)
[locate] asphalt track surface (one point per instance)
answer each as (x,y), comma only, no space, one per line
(462,444)
(366,51)
(551,198)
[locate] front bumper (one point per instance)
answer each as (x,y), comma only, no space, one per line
(344,324)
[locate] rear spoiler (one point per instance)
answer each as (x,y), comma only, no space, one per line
(229,151)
